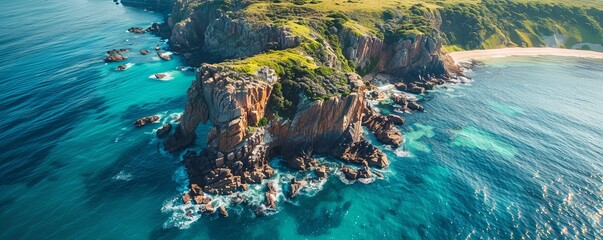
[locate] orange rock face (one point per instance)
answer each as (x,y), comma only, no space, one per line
(236,157)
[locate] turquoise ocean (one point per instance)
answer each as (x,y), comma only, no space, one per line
(515,153)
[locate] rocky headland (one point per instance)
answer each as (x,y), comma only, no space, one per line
(292,91)
(293,79)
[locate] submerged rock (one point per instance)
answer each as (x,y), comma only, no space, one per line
(116,55)
(164,56)
(122,67)
(136,30)
(143,121)
(144,52)
(161,76)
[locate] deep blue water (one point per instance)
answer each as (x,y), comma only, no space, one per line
(516,153)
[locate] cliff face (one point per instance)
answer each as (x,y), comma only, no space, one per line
(206,32)
(238,151)
(406,59)
(230,100)
(332,126)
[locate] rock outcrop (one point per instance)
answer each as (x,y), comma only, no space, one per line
(331,122)
(238,151)
(136,30)
(351,174)
(143,121)
(383,127)
(235,156)
(406,104)
(164,131)
(116,55)
(164,56)
(296,186)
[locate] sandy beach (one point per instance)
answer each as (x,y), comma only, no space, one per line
(507,52)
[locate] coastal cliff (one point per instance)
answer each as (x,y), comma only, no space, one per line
(291,79)
(288,88)
(238,149)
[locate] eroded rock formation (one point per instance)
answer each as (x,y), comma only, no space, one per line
(238,150)
(383,127)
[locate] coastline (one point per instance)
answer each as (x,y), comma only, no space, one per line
(508,52)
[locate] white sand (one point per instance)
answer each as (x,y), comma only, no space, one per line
(507,52)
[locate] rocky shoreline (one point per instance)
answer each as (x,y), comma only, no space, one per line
(246,130)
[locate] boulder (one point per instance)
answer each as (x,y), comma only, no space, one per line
(196,189)
(270,201)
(161,76)
(164,131)
(199,199)
(164,56)
(186,198)
(321,172)
(116,55)
(143,121)
(397,120)
(136,30)
(350,174)
(117,58)
(413,88)
(223,211)
(122,67)
(413,105)
(144,52)
(383,128)
(238,198)
(400,100)
(401,86)
(296,186)
(364,172)
(426,85)
(209,209)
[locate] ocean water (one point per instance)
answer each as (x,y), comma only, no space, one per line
(517,152)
